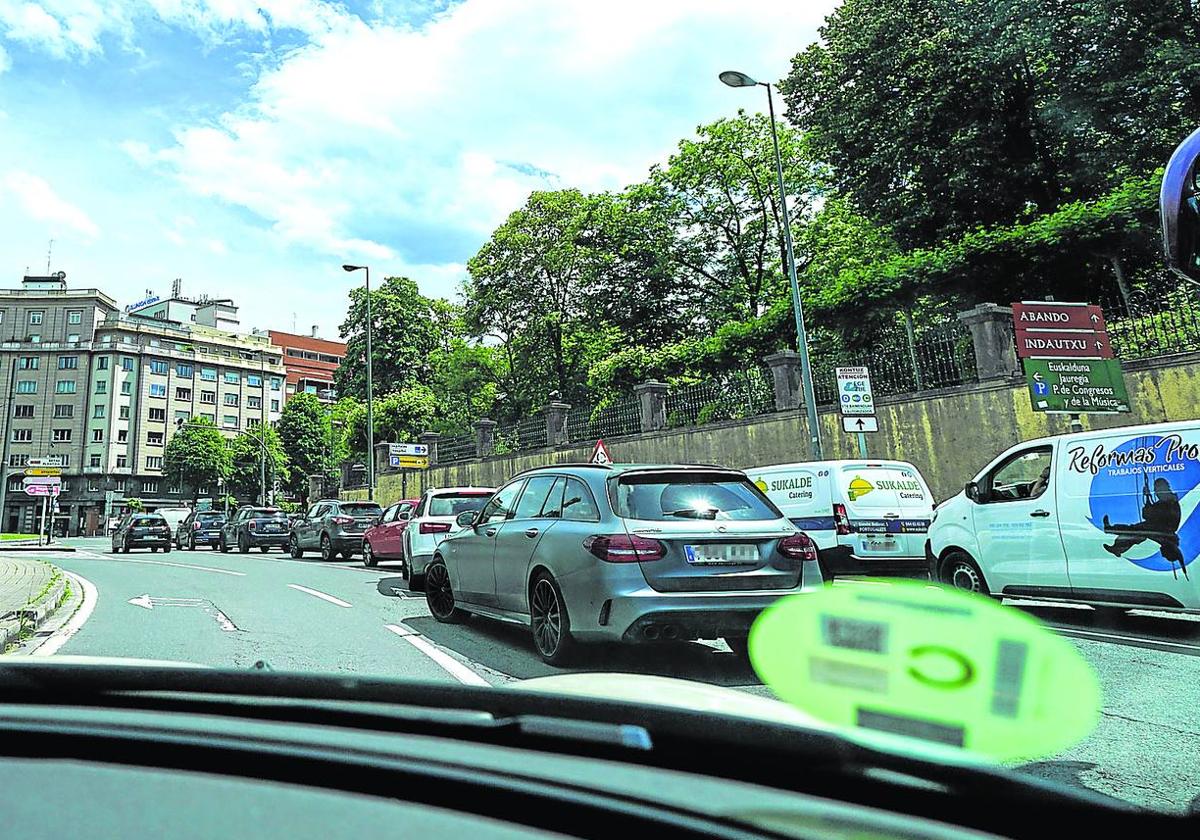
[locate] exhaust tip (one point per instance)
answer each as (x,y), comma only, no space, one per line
(670,632)
(651,632)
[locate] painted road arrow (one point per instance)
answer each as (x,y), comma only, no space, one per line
(148,602)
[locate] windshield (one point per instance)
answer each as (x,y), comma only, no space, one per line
(733,304)
(452,504)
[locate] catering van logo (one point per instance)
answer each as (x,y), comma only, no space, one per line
(858,488)
(761,485)
(1137,495)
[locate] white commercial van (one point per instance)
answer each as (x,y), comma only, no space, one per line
(1104,517)
(866,517)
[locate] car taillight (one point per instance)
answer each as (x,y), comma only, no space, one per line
(798,547)
(253,525)
(840,520)
(434,527)
(624,548)
(196,525)
(343,520)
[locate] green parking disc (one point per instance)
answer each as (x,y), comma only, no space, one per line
(904,659)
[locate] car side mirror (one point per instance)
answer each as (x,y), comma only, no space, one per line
(404,515)
(974,492)
(465,519)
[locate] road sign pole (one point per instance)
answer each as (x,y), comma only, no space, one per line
(42,530)
(403,483)
(862,445)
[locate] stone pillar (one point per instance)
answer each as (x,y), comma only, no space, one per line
(556,422)
(992,334)
(316,488)
(785,377)
(485,438)
(431,439)
(653,398)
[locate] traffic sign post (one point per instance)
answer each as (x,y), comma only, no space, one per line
(1076,386)
(860,425)
(410,449)
(43,471)
(600,454)
(856,400)
(409,462)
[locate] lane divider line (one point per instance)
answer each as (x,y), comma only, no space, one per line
(320,595)
(63,634)
(444,660)
(149,562)
(1129,640)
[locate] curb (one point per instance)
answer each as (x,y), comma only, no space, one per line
(36,547)
(32,616)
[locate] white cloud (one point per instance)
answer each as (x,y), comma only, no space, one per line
(39,201)
(5,61)
(387,142)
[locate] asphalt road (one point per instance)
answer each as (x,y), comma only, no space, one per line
(237,610)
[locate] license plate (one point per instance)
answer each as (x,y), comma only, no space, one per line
(732,554)
(880,545)
(274,528)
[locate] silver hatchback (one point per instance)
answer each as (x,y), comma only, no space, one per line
(625,553)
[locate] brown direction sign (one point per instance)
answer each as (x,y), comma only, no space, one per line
(1053,315)
(1060,343)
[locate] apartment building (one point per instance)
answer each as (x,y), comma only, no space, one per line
(310,362)
(101,392)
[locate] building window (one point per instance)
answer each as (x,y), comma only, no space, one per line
(231,399)
(25,411)
(59,460)
(93,484)
(102,363)
(154,438)
(158,366)
(98,412)
(120,481)
(184,370)
(183,415)
(276,383)
(126,363)
(274,405)
(310,389)
(253,423)
(22,435)
(68,363)
(93,460)
(28,363)
(158,415)
(35,316)
(18,460)
(208,374)
(65,386)
(253,402)
(233,377)
(254,380)
(157,389)
(73,338)
(74,316)
(35,338)
(211,418)
(149,486)
(16,485)
(123,412)
(60,435)
(97,436)
(127,387)
(62,411)
(154,462)
(26,386)
(208,397)
(101,386)
(183,394)
(229,421)
(122,461)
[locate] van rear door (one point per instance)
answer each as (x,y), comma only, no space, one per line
(889,507)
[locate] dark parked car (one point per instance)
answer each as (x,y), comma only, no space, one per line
(255,527)
(202,527)
(141,530)
(333,527)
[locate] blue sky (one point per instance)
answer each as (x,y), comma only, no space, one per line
(250,147)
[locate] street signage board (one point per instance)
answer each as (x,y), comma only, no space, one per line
(860,424)
(47,480)
(37,462)
(1076,386)
(409,462)
(43,471)
(1055,315)
(854,390)
(600,454)
(42,489)
(1063,344)
(418,449)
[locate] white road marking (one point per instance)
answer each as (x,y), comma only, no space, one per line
(112,558)
(320,595)
(1149,640)
(150,603)
(446,662)
(63,634)
(223,620)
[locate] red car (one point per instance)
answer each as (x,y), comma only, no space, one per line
(382,541)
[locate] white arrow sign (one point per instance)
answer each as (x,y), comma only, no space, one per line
(150,603)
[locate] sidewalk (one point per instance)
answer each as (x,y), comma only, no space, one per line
(30,590)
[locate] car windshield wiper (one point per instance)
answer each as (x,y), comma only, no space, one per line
(694,513)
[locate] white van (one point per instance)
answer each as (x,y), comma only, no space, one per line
(866,517)
(1105,517)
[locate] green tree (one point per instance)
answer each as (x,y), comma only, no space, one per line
(399,417)
(305,434)
(246,454)
(198,453)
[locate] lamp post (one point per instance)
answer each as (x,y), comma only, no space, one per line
(370,392)
(735,79)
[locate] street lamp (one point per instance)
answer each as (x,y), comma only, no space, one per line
(736,79)
(370,391)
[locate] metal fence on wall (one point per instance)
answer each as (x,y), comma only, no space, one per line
(733,396)
(1157,317)
(620,418)
(456,448)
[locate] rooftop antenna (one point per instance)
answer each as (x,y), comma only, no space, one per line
(49,252)
(293,323)
(176,287)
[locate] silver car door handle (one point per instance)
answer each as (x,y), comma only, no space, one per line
(491,532)
(531,532)
(1040,513)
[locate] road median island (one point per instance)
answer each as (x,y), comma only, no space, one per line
(30,591)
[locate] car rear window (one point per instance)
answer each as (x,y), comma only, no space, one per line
(669,497)
(452,504)
(210,517)
(148,521)
(269,513)
(361,509)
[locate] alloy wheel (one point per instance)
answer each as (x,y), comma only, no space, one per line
(546,615)
(439,595)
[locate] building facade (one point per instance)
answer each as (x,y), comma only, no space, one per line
(100,393)
(310,363)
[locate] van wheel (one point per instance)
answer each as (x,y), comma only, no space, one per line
(961,572)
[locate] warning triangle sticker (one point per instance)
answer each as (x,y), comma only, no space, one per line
(600,454)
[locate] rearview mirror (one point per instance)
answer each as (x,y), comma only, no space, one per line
(405,515)
(973,492)
(465,519)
